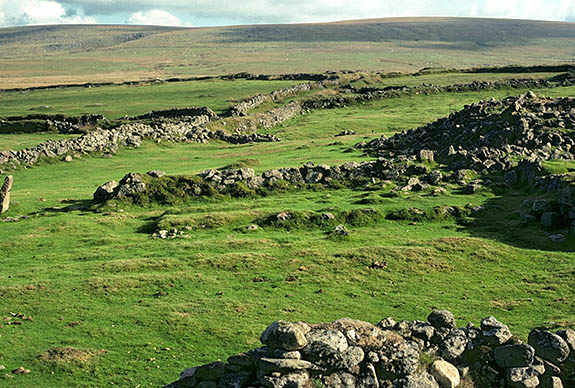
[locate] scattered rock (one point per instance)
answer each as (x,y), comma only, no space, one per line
(341,231)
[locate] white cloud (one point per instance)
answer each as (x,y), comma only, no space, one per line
(217,12)
(34,12)
(155,17)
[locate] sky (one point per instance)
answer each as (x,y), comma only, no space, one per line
(200,13)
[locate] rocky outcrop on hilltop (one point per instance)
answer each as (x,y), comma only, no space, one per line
(406,354)
(484,136)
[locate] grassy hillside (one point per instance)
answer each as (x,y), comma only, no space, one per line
(134,311)
(66,54)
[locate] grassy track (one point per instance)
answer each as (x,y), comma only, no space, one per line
(143,309)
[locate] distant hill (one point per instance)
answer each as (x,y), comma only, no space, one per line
(42,55)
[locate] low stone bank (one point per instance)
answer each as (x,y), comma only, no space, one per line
(406,354)
(129,135)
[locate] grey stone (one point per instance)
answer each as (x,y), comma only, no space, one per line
(341,230)
(568,336)
(426,156)
(299,379)
(514,356)
(282,365)
(494,332)
(324,343)
(441,318)
(551,220)
(453,346)
(156,173)
(423,331)
(285,335)
(549,346)
(446,374)
(105,191)
(540,206)
(551,382)
(424,380)
(522,377)
(5,194)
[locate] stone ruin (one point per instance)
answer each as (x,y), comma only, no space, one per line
(406,354)
(486,135)
(5,194)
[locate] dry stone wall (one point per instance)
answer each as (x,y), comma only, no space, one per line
(405,354)
(130,135)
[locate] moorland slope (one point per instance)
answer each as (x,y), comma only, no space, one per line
(43,55)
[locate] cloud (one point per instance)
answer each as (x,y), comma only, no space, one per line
(155,17)
(33,12)
(219,12)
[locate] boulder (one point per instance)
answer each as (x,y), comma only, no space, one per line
(5,194)
(285,335)
(424,380)
(551,220)
(282,365)
(105,191)
(209,372)
(514,356)
(522,377)
(441,319)
(540,206)
(341,230)
(445,374)
(494,332)
(325,344)
(156,173)
(454,345)
(569,337)
(299,379)
(426,156)
(549,346)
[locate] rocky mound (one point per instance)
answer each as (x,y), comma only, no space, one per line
(486,135)
(405,354)
(244,182)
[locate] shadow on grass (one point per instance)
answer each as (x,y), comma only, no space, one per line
(500,221)
(86,206)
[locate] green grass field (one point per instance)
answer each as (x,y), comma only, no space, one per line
(117,101)
(139,310)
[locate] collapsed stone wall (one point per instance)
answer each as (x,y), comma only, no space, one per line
(486,134)
(44,123)
(406,354)
(242,108)
(227,181)
(269,119)
(366,94)
(177,113)
(130,135)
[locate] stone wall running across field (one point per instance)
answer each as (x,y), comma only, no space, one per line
(436,353)
(129,135)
